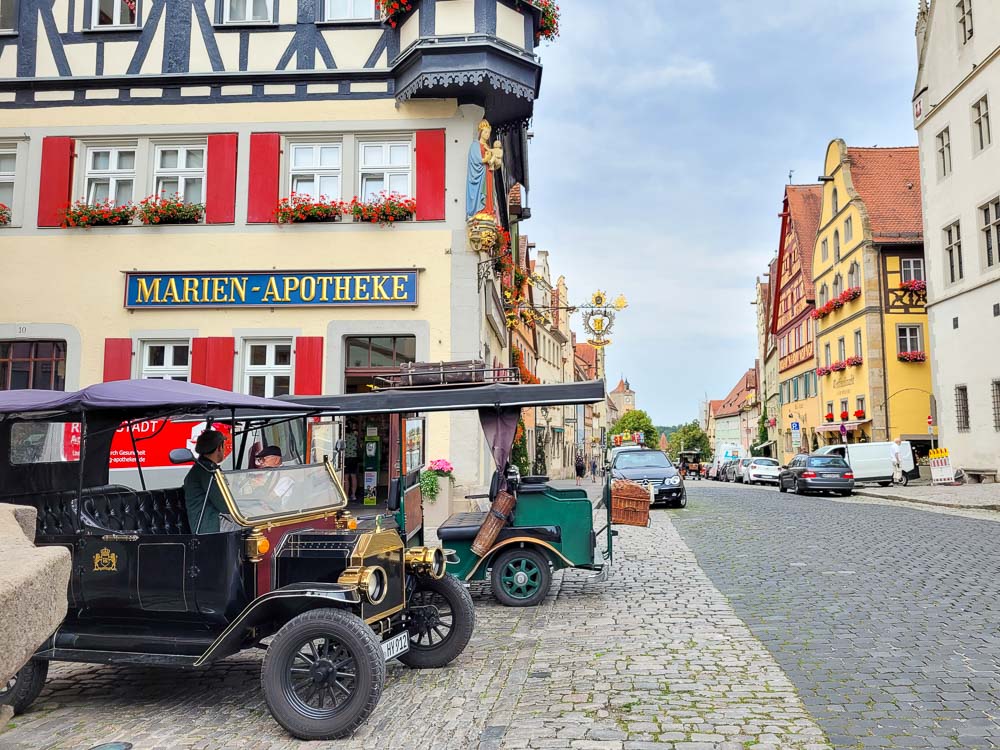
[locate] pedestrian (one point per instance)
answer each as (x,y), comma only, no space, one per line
(351,460)
(581,469)
(897,462)
(593,470)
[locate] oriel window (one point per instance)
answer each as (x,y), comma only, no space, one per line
(180,171)
(110,174)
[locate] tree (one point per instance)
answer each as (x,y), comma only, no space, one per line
(637,421)
(690,437)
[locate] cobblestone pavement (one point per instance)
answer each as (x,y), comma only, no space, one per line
(983,496)
(885,617)
(652,658)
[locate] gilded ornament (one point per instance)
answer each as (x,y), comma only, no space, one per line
(105,561)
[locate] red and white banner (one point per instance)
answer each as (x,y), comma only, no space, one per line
(153,442)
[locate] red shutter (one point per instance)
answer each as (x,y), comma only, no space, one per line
(220,195)
(117,359)
(212,361)
(56,184)
(308,365)
(265,158)
(430,175)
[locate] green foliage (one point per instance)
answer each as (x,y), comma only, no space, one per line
(668,430)
(690,437)
(430,486)
(519,454)
(762,436)
(638,421)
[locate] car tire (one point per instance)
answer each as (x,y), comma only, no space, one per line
(292,661)
(520,577)
(22,689)
(782,487)
(904,481)
(453,610)
(682,501)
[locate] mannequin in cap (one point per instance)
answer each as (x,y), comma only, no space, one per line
(202,495)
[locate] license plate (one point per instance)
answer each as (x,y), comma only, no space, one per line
(830,476)
(396,646)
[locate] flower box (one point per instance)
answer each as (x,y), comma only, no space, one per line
(4,214)
(549,27)
(159,209)
(391,10)
(297,209)
(829,416)
(844,416)
(859,414)
(387,209)
(912,356)
(838,366)
(854,361)
(850,294)
(822,371)
(914,286)
(103,214)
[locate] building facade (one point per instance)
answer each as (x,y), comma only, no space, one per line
(234,108)
(871,332)
(958,82)
(735,420)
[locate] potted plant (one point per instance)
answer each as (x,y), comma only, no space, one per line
(162,209)
(302,208)
(437,494)
(844,416)
(101,214)
(829,416)
(859,414)
(4,214)
(387,209)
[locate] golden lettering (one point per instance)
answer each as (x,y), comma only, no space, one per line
(398,286)
(171,292)
(271,293)
(292,284)
(324,282)
(148,290)
(378,287)
(361,288)
(341,288)
(204,289)
(190,289)
(307,290)
(218,289)
(238,288)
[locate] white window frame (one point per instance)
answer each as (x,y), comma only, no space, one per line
(269,370)
(965,26)
(10,178)
(942,143)
(316,170)
(113,175)
(387,172)
(914,338)
(353,12)
(953,253)
(181,174)
(116,22)
(227,13)
(911,269)
(982,134)
(991,232)
(171,371)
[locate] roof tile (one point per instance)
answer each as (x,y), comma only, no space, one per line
(888,181)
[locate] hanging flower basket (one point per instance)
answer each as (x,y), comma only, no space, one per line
(912,356)
(302,208)
(103,214)
(430,480)
(829,416)
(387,209)
(4,214)
(161,209)
(844,416)
(548,29)
(914,286)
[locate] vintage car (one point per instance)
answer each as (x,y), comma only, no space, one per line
(290,565)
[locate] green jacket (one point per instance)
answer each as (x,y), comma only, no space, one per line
(199,485)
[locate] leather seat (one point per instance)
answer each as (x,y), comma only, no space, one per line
(461,526)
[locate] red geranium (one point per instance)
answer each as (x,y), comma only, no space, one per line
(859,414)
(829,416)
(844,415)
(103,213)
(386,209)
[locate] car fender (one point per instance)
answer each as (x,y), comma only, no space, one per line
(282,605)
(554,556)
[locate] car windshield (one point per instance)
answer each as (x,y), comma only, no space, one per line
(259,494)
(826,462)
(642,460)
(766,462)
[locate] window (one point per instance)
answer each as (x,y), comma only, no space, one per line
(180,171)
(953,252)
(981,135)
(964,8)
(267,369)
(991,231)
(835,202)
(825,250)
(857,343)
(838,285)
(8,162)
(824,295)
(861,403)
(836,247)
(841,349)
(798,338)
(795,389)
(909,339)
(7,14)
(912,269)
(854,276)
(962,408)
(166,360)
(315,170)
(352,10)
(114,12)
(944,153)
(243,11)
(782,346)
(110,174)
(385,167)
(32,364)
(996,405)
(829,407)
(844,405)
(848,229)
(383,351)
(826,355)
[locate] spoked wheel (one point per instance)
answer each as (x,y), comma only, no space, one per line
(323,674)
(521,577)
(440,618)
(20,691)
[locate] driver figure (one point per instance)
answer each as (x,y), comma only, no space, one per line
(270,458)
(202,495)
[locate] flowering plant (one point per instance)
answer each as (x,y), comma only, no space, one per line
(844,415)
(391,10)
(161,209)
(387,209)
(829,416)
(850,294)
(838,366)
(430,480)
(549,27)
(916,286)
(442,466)
(854,361)
(298,208)
(4,214)
(101,214)
(821,370)
(859,414)
(912,356)
(527,377)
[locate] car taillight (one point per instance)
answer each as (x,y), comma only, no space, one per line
(808,474)
(848,475)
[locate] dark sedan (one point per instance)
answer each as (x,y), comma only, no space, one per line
(817,474)
(651,469)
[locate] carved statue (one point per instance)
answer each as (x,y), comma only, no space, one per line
(484,160)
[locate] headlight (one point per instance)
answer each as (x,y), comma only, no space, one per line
(675,480)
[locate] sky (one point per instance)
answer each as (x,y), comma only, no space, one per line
(663,139)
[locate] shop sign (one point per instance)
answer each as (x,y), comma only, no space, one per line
(154,439)
(270,289)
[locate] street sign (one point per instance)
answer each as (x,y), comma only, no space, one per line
(796,435)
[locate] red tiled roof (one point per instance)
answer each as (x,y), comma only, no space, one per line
(514,197)
(804,206)
(587,355)
(621,387)
(733,403)
(714,405)
(888,181)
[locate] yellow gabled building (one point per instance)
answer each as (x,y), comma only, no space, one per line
(871,323)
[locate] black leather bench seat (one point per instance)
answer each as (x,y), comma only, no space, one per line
(461,526)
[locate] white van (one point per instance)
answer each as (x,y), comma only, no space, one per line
(872,462)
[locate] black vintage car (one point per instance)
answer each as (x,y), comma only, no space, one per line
(336,601)
(651,468)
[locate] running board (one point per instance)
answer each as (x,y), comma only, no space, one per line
(116,657)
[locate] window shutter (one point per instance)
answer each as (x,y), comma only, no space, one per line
(430,175)
(265,159)
(117,359)
(308,365)
(212,361)
(220,196)
(56,183)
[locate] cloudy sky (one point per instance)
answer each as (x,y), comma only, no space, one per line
(663,140)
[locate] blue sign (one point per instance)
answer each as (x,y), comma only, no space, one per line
(795,426)
(270,289)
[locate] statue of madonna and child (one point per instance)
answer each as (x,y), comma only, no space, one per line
(484,160)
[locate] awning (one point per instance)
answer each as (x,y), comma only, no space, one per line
(835,426)
(763,445)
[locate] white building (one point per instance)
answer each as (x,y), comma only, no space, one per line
(958,84)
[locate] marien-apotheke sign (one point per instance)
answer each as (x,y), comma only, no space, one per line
(270,289)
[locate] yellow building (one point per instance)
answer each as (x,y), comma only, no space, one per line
(871,330)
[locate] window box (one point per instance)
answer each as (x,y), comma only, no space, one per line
(914,286)
(859,414)
(912,356)
(386,209)
(854,361)
(4,214)
(822,371)
(844,416)
(302,208)
(838,366)
(829,416)
(169,210)
(101,214)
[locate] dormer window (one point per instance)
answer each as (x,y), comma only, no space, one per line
(110,13)
(350,10)
(248,11)
(964,8)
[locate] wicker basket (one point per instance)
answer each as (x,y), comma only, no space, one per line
(629,503)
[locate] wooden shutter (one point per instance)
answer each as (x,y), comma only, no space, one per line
(220,187)
(117,359)
(265,161)
(430,175)
(212,361)
(56,182)
(308,365)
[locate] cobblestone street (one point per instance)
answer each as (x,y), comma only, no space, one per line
(884,617)
(652,658)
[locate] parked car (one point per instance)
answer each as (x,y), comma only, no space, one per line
(761,470)
(729,471)
(738,469)
(872,462)
(651,468)
(817,473)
